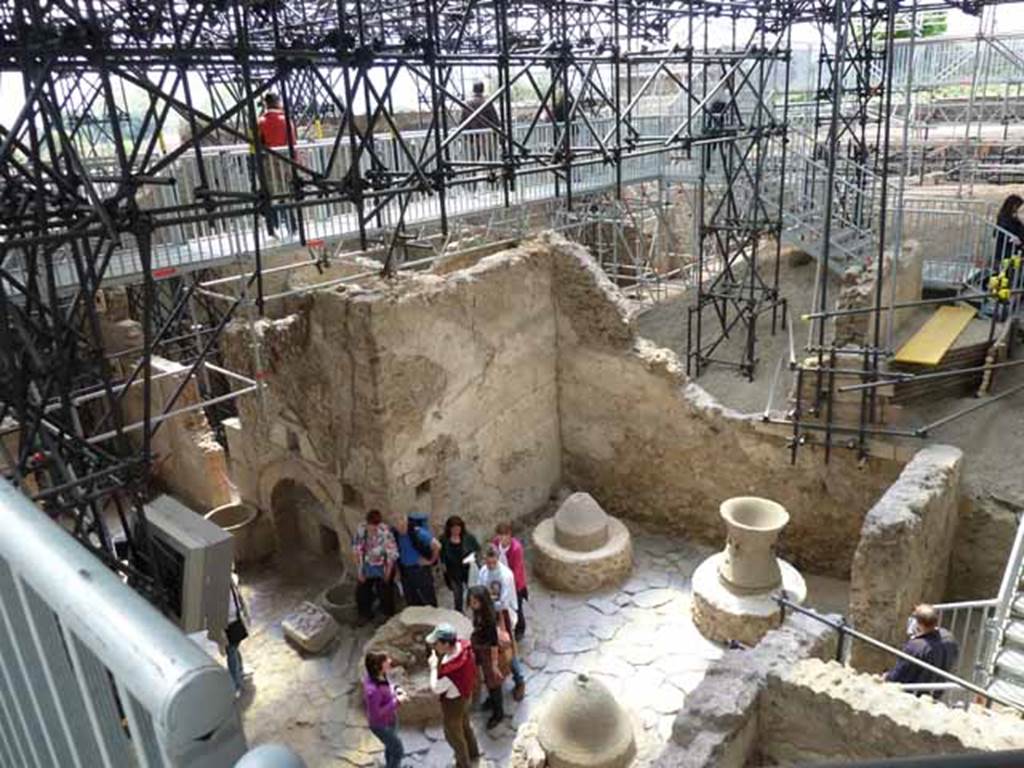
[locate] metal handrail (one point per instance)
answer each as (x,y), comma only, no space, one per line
(78,643)
(1004,599)
(845,630)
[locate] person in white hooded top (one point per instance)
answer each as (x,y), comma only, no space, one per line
(499,579)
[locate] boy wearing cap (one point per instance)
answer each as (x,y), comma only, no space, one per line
(453,678)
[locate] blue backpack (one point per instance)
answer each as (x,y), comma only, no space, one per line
(420,535)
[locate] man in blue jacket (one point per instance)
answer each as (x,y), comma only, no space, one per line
(418,550)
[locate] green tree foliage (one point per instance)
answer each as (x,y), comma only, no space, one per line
(929,24)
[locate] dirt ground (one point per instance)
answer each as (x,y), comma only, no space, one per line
(992,437)
(665,325)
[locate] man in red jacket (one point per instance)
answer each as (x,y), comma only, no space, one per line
(453,678)
(274,131)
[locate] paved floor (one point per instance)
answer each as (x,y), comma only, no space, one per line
(638,639)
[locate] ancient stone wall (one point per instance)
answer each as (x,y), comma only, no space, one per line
(428,394)
(650,446)
(984,536)
(904,551)
(816,712)
(859,289)
(718,725)
(188,460)
(481,391)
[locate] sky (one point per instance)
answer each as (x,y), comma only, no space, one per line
(1008,19)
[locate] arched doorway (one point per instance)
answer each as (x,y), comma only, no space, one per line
(302,521)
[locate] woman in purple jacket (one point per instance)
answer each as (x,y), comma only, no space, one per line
(382,701)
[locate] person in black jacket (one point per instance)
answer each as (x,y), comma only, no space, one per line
(1010,234)
(456,545)
(929,643)
(487,647)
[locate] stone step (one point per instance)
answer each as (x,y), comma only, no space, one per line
(1008,689)
(1017,607)
(1014,634)
(1010,664)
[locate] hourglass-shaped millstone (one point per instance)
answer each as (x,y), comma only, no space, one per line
(754,525)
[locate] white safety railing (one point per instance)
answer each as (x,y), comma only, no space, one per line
(230,172)
(1009,589)
(971,622)
(90,673)
(966,231)
(951,61)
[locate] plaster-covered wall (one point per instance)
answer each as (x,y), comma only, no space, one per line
(430,394)
(815,712)
(652,446)
(480,392)
(188,460)
(904,551)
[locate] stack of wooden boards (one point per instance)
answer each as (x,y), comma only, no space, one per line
(951,339)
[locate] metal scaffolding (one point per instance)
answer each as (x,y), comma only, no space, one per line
(583,99)
(91,171)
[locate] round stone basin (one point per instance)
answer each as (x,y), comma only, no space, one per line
(232,517)
(340,602)
(754,514)
(402,637)
(253,539)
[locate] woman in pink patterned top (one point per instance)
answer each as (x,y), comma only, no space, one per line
(376,553)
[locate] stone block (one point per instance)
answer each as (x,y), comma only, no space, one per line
(903,555)
(718,725)
(802,704)
(310,627)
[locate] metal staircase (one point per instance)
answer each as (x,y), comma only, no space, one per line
(1005,657)
(852,237)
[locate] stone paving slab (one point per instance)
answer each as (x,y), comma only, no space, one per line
(638,640)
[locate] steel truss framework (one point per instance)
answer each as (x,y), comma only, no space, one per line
(102,82)
(866,164)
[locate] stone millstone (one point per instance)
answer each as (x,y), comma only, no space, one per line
(584,727)
(580,524)
(723,615)
(573,571)
(403,638)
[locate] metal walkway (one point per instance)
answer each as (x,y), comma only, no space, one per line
(179,248)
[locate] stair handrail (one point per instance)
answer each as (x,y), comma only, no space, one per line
(1007,592)
(846,631)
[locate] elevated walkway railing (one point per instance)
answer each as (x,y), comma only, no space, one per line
(90,673)
(191,241)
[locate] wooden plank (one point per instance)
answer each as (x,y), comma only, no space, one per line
(936,336)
